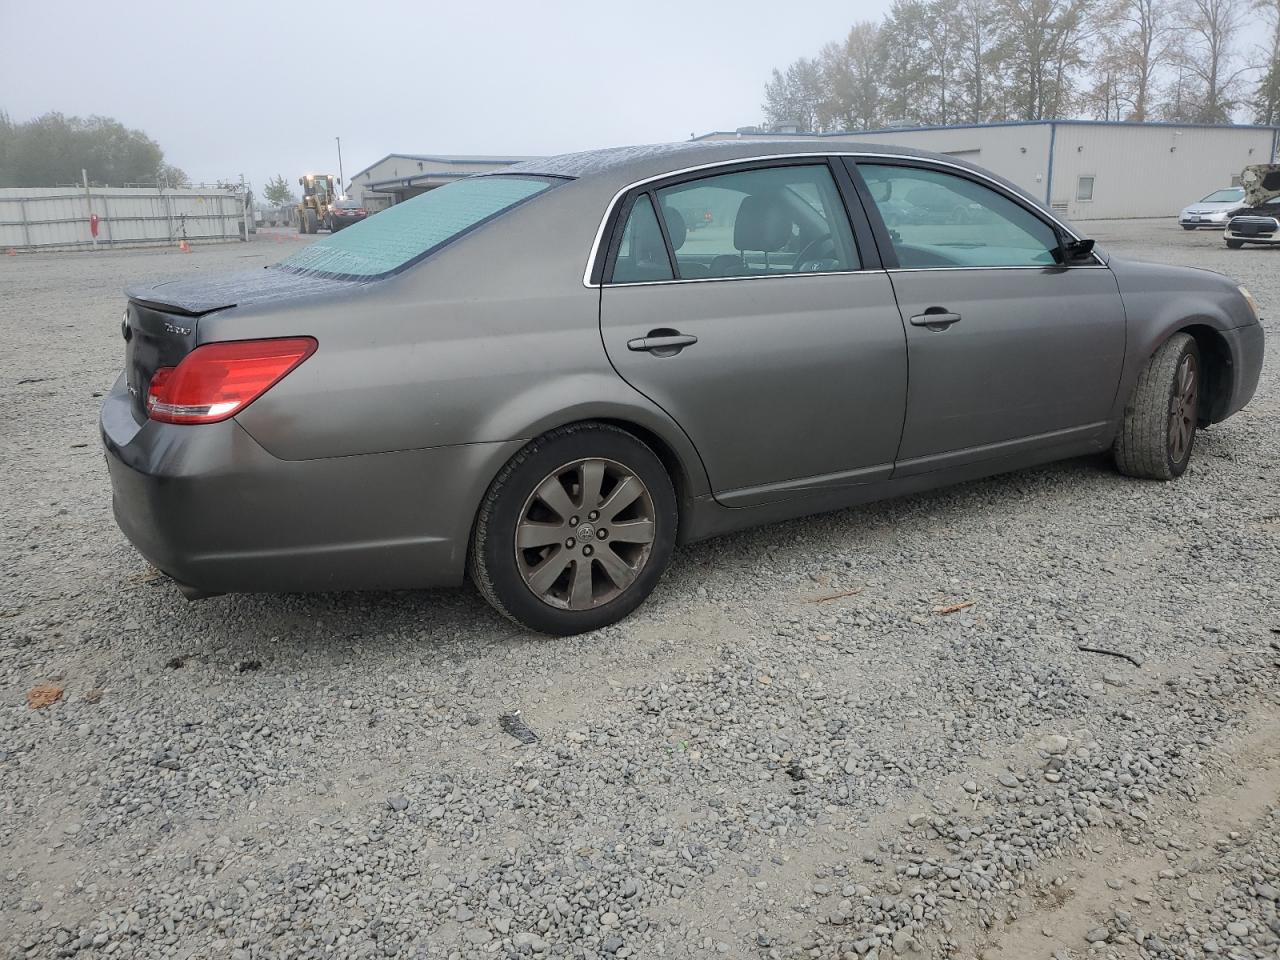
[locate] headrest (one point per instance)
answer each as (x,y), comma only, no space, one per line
(676,228)
(763,223)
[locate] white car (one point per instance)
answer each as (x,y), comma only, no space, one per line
(1214,210)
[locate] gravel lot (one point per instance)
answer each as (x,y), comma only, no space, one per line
(789,752)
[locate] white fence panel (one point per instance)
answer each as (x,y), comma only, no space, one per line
(59,217)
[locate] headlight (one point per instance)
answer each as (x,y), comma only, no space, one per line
(1253,304)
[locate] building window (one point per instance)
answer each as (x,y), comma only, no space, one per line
(1084,188)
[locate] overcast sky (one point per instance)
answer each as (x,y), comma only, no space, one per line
(233,87)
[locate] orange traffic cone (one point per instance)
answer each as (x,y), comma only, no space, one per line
(184,246)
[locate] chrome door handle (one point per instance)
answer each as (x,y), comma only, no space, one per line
(662,344)
(935,320)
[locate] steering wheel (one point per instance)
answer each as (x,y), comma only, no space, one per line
(816,250)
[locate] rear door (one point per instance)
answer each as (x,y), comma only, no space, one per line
(741,303)
(1007,348)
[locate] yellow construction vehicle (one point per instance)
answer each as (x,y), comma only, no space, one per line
(318,195)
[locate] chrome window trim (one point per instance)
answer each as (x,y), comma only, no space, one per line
(838,273)
(815,157)
(754,276)
(1056,267)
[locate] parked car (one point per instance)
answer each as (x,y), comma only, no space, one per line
(1259,221)
(528,376)
(1260,224)
(1214,210)
(343,213)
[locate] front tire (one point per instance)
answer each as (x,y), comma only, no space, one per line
(1158,433)
(1234,244)
(576,530)
(1187,227)
(313,221)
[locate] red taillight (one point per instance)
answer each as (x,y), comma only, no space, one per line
(219,380)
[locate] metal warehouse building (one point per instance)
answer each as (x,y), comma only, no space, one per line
(399,176)
(1088,169)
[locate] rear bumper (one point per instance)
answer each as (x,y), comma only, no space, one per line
(214,510)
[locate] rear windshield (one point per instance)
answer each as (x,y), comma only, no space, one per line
(403,234)
(1225,196)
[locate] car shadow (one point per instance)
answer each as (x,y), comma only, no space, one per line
(456,625)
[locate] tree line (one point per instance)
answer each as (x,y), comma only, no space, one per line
(53,149)
(931,62)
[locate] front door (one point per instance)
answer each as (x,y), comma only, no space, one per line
(745,313)
(1007,348)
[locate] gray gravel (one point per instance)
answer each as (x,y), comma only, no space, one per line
(751,766)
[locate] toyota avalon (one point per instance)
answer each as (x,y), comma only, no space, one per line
(542,379)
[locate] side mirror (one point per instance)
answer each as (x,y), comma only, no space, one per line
(1071,251)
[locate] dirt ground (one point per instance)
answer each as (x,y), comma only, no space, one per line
(790,751)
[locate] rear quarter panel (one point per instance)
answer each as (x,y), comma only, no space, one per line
(494,338)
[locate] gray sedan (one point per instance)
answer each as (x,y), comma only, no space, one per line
(547,378)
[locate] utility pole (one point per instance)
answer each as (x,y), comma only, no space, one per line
(246,212)
(88,202)
(342,190)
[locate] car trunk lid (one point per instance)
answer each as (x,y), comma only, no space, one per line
(162,319)
(155,336)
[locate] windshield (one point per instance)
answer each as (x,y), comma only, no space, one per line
(405,233)
(1225,196)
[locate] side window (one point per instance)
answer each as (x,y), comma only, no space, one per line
(938,219)
(771,221)
(642,253)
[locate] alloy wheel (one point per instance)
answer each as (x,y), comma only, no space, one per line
(1183,408)
(585,534)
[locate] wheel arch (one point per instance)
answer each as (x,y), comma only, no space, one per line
(652,427)
(676,468)
(1217,369)
(1217,362)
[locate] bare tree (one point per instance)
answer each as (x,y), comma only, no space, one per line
(904,66)
(851,74)
(863,47)
(978,59)
(795,96)
(1266,98)
(1136,41)
(941,42)
(1208,59)
(1042,43)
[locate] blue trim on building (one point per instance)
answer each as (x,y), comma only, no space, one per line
(998,123)
(1275,144)
(1048,187)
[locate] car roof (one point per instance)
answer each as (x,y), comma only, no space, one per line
(654,159)
(619,167)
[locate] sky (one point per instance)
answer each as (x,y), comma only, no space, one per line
(263,88)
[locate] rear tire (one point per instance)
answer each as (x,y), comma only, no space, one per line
(549,549)
(1234,244)
(1158,432)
